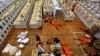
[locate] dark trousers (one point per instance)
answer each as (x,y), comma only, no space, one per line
(38,37)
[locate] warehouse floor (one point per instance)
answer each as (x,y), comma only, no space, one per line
(65,34)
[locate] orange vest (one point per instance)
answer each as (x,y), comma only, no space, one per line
(54,23)
(85,40)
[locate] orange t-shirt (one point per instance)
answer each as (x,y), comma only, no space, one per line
(54,23)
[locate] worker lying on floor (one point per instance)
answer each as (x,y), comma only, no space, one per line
(52,22)
(55,24)
(84,40)
(52,40)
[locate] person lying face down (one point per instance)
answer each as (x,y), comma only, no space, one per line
(55,24)
(52,40)
(84,40)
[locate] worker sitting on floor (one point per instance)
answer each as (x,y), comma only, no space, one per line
(40,49)
(85,40)
(55,24)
